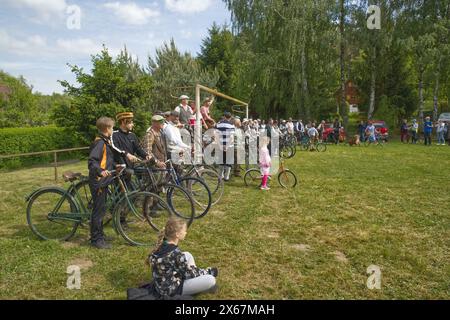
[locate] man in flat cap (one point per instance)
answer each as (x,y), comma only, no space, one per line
(154,143)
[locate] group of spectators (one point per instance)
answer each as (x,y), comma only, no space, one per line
(410,131)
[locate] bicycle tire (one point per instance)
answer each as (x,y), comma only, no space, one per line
(214,182)
(321,147)
(200,193)
(287,179)
(68,229)
(179,206)
(304,147)
(252,178)
(134,221)
(286,152)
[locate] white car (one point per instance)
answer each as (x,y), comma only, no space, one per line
(445,117)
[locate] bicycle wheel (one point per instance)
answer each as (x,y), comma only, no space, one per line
(287,179)
(214,182)
(304,146)
(252,178)
(46,211)
(179,201)
(137,222)
(200,193)
(321,147)
(286,152)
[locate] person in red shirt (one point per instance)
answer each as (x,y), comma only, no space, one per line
(204,110)
(192,120)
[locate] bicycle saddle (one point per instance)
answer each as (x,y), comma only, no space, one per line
(70,176)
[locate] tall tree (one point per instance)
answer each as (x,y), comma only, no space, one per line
(174,73)
(293,64)
(18,105)
(343,102)
(217,53)
(114,85)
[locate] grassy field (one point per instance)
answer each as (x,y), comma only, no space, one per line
(354,207)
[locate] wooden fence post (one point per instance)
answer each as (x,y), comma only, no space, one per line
(56,166)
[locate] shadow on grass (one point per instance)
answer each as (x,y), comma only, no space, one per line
(124,279)
(23,232)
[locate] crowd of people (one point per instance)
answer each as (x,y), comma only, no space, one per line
(174,271)
(409,132)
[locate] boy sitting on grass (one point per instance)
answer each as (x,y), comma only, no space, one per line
(101,162)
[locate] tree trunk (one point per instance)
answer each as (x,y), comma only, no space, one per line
(372,87)
(305,96)
(421,71)
(436,90)
(343,109)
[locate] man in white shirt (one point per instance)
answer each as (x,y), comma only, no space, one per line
(174,143)
(290,127)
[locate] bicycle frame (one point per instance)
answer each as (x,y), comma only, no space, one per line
(73,217)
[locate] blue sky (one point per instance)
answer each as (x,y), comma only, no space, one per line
(36,42)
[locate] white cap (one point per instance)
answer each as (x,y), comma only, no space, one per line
(183,97)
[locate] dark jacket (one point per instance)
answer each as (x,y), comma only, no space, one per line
(101,157)
(170,269)
(125,143)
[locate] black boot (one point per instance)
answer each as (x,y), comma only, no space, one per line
(101,244)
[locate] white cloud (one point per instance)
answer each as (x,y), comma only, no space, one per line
(188,6)
(46,10)
(186,34)
(131,13)
(78,46)
(14,65)
(64,48)
(22,47)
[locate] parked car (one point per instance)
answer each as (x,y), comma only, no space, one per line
(382,129)
(444,117)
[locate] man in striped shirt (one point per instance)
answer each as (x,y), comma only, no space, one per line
(226,142)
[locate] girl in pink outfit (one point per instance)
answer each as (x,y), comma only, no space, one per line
(264,162)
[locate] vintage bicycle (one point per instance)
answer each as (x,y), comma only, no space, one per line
(54,213)
(286,178)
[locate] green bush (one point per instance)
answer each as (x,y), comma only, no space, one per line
(36,139)
(387,112)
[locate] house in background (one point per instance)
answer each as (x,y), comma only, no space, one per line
(352,96)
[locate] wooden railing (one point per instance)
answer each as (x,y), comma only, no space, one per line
(55,156)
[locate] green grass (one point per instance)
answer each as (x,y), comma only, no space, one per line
(354,207)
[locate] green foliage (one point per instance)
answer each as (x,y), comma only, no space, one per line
(290,51)
(217,53)
(174,74)
(19,107)
(387,112)
(114,85)
(22,108)
(26,140)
